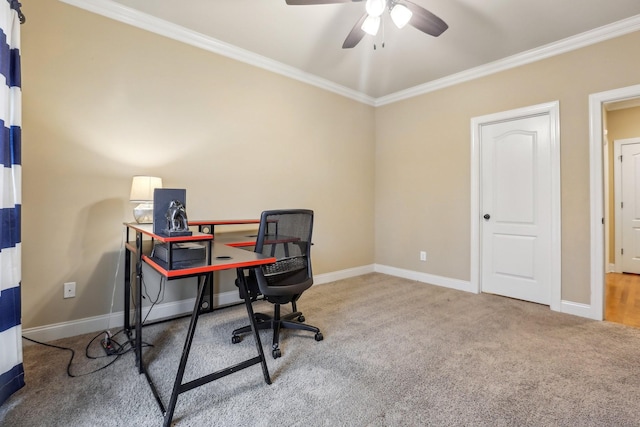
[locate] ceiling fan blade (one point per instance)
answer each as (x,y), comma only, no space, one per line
(311,2)
(424,20)
(355,35)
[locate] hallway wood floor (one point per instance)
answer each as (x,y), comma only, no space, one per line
(622,299)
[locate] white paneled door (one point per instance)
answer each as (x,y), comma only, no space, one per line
(515,206)
(630,207)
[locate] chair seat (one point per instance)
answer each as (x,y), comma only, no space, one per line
(283,268)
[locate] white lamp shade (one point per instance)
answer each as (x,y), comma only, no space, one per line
(142,188)
(375,7)
(400,15)
(371,25)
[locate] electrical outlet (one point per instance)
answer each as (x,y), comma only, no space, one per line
(423,256)
(69,290)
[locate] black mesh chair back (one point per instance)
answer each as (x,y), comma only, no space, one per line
(285,235)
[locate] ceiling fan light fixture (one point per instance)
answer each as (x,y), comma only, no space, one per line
(375,7)
(371,25)
(400,15)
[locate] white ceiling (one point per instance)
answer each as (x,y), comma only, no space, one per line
(306,40)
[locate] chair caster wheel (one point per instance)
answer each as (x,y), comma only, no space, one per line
(319,336)
(276,353)
(236,339)
(301,318)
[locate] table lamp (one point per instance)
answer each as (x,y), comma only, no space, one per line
(142,193)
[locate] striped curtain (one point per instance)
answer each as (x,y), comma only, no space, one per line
(11,369)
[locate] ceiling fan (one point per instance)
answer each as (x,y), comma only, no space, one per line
(402,12)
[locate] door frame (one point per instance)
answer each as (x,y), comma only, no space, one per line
(617,190)
(596,186)
(553,110)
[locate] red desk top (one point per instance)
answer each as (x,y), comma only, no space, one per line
(225,254)
(223,257)
(224,222)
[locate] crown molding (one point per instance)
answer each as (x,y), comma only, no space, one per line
(127,15)
(119,12)
(587,38)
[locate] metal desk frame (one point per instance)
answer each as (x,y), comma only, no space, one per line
(219,257)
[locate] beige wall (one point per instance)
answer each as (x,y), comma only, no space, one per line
(621,124)
(103,101)
(423,159)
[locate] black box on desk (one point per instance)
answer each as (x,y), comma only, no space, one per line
(180,252)
(162,198)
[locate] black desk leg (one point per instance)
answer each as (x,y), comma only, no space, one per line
(254,327)
(168,416)
(127,292)
(138,282)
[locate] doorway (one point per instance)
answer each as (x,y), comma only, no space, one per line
(625,227)
(522,143)
(621,150)
(599,216)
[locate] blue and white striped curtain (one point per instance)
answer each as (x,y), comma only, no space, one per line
(11,369)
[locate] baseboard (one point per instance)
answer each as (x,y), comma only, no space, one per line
(567,307)
(319,279)
(446,282)
(578,309)
(115,321)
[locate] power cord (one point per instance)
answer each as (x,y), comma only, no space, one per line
(118,350)
(115,281)
(145,295)
(109,344)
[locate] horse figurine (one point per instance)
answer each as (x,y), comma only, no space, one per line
(177,217)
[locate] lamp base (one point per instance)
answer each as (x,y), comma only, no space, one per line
(143,213)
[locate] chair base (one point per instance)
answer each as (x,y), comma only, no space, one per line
(277,322)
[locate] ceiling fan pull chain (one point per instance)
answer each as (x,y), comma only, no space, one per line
(383,37)
(383,32)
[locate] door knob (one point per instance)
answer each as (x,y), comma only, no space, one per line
(487,216)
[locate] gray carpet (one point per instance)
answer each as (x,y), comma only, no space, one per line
(395,353)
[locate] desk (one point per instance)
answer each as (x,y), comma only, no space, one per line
(220,256)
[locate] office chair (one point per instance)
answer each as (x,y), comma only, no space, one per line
(285,235)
